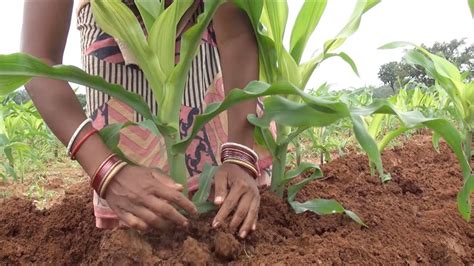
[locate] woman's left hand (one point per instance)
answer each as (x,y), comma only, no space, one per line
(236,190)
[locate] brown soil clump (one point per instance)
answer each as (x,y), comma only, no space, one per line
(412,220)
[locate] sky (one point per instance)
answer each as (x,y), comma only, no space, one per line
(417,21)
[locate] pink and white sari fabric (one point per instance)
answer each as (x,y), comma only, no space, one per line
(102,55)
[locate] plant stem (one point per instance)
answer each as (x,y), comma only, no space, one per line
(468,144)
(278,169)
(176,163)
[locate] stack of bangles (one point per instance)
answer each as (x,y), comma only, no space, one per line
(107,169)
(105,173)
(242,156)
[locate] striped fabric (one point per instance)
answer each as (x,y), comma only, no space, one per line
(101,56)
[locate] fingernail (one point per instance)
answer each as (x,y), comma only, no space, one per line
(218,200)
(243,234)
(215,223)
(254,227)
(185,224)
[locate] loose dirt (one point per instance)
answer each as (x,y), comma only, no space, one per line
(412,220)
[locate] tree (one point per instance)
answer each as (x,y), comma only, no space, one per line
(398,74)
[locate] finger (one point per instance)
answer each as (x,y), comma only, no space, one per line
(166,180)
(220,186)
(132,221)
(153,219)
(229,204)
(166,211)
(250,223)
(241,212)
(176,197)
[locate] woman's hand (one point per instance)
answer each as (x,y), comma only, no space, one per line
(142,198)
(236,189)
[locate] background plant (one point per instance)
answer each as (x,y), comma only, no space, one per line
(25,140)
(461,96)
(296,112)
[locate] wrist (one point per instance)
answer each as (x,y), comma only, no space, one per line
(92,153)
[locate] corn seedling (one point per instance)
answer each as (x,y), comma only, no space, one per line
(461,96)
(282,73)
(294,113)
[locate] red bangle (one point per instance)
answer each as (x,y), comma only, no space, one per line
(103,169)
(79,144)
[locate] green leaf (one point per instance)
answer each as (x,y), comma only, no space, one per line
(305,24)
(205,182)
(149,11)
(355,217)
(278,15)
(162,37)
(349,60)
(318,206)
(352,25)
(11,83)
(368,144)
(111,137)
(264,137)
(118,20)
(150,125)
(309,67)
(205,207)
(288,113)
(324,207)
(398,44)
(471,6)
(9,154)
(414,119)
(302,168)
(435,141)
(25,67)
(254,90)
(190,42)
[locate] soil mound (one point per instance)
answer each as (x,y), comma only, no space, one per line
(412,219)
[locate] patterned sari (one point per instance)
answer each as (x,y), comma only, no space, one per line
(102,55)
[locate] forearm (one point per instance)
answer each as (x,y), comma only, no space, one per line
(240,66)
(44,34)
(62,112)
(239,61)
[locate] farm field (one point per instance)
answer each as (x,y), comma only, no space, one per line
(367,175)
(411,220)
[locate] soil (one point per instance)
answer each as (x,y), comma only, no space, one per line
(411,220)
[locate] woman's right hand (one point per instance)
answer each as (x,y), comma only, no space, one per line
(143,198)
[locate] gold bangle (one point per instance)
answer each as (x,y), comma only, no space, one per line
(243,164)
(111,176)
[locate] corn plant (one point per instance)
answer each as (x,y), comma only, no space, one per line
(293,113)
(461,96)
(282,73)
(24,138)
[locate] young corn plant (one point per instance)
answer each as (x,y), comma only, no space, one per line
(461,96)
(154,50)
(23,137)
(293,111)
